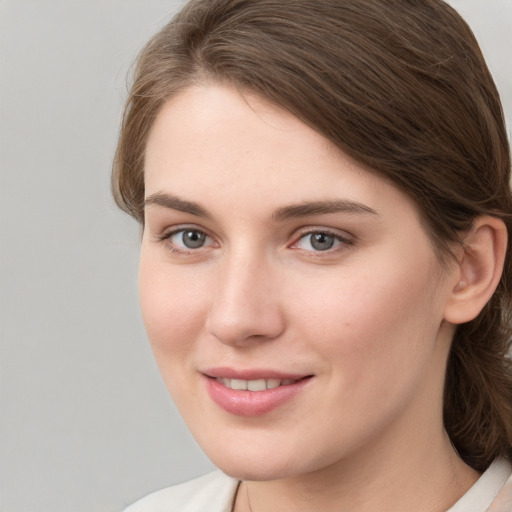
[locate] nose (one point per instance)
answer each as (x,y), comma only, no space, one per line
(246,305)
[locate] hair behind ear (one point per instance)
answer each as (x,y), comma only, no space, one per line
(478,389)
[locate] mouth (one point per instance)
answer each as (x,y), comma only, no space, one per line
(253,393)
(257,384)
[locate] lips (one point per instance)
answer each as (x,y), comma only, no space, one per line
(252,393)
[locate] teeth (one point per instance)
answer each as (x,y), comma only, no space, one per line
(273,383)
(238,384)
(254,385)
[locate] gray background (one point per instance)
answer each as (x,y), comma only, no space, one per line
(85,422)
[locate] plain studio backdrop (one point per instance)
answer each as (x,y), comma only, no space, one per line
(85,422)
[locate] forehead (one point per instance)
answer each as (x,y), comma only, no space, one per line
(224,148)
(215,124)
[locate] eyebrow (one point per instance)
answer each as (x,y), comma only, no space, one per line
(176,203)
(280,215)
(321,208)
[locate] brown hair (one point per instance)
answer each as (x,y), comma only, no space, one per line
(401,86)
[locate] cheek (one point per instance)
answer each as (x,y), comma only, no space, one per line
(172,307)
(372,323)
(377,338)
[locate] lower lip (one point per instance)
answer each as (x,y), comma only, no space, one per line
(252,403)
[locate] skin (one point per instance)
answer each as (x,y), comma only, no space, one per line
(366,318)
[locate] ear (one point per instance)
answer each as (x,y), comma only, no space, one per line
(479,269)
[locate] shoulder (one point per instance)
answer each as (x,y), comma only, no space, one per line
(503,500)
(491,493)
(213,492)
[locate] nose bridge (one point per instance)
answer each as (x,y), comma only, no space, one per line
(246,302)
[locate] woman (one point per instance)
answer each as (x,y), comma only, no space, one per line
(324,272)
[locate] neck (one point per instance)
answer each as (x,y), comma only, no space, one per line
(403,483)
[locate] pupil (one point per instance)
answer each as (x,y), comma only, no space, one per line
(193,239)
(322,241)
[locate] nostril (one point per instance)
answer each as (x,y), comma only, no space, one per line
(245,323)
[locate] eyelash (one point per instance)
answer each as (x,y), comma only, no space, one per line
(343,242)
(166,237)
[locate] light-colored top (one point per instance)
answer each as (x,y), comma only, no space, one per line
(492,492)
(216,492)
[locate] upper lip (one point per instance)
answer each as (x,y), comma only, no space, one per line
(251,373)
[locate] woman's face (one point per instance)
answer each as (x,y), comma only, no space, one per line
(272,261)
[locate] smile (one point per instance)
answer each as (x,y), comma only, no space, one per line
(254,385)
(256,395)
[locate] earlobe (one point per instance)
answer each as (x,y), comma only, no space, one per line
(479,269)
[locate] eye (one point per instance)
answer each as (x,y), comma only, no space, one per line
(188,239)
(320,241)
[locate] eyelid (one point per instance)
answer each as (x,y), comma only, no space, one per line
(172,230)
(165,236)
(344,237)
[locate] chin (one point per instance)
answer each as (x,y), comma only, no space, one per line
(255,462)
(258,470)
